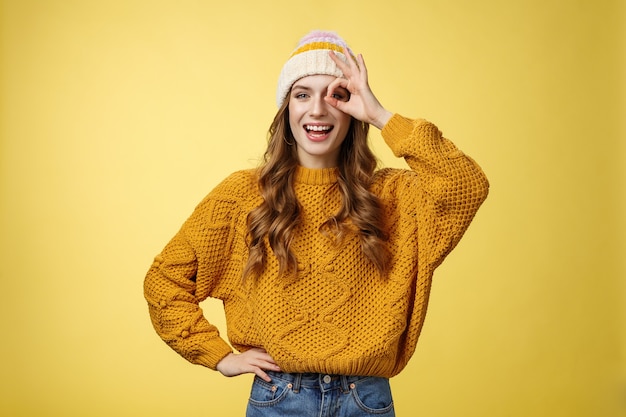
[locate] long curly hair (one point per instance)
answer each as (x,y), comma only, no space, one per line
(279,214)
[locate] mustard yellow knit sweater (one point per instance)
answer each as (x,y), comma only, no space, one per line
(338,315)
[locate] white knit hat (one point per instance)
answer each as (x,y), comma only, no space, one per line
(310,58)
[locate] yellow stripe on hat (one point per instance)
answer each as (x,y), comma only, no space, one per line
(317,46)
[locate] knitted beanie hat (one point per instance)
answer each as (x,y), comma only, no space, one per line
(311,58)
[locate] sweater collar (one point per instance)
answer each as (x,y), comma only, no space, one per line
(320,176)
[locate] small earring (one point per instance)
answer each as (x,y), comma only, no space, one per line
(285,139)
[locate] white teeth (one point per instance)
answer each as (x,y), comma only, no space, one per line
(317,128)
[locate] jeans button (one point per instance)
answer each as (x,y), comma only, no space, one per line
(327,379)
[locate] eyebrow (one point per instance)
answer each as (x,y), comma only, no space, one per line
(301,87)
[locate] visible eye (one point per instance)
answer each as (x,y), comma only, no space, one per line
(341,95)
(300,95)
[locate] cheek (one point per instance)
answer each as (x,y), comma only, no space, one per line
(294,118)
(293,126)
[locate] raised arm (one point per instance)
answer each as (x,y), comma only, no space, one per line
(450,186)
(454,184)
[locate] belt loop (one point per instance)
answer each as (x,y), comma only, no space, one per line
(344,384)
(296,383)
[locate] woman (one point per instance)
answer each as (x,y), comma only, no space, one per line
(324,263)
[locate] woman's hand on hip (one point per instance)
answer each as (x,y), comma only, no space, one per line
(254,361)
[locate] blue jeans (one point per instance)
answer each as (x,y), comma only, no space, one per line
(319,395)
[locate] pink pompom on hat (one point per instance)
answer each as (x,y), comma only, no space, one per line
(311,58)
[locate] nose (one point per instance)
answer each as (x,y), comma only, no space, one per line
(318,106)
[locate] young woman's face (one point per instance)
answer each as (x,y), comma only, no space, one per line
(318,127)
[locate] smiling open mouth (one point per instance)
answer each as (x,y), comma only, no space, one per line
(316,128)
(318,131)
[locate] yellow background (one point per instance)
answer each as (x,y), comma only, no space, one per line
(118,116)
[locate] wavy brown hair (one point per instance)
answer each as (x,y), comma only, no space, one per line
(279,214)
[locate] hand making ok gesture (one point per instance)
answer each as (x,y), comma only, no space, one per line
(362,105)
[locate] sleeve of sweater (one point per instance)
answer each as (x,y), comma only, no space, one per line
(186,272)
(451,185)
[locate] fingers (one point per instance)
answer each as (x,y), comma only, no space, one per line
(338,104)
(362,104)
(331,90)
(261,374)
(338,61)
(351,67)
(255,361)
(362,66)
(262,362)
(348,68)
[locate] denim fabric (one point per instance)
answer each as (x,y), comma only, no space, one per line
(319,395)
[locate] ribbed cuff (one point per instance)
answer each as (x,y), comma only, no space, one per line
(397,130)
(211,353)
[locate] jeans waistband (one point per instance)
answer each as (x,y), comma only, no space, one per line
(314,380)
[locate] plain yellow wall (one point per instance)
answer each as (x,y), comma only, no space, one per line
(118,116)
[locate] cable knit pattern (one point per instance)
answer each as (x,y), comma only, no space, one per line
(336,315)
